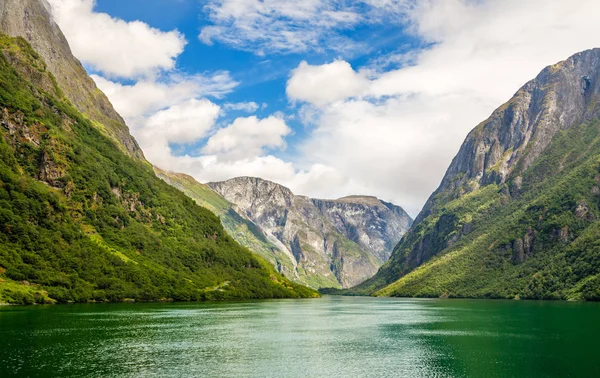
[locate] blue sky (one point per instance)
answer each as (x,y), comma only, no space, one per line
(262,79)
(327,97)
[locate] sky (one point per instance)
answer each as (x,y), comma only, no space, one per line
(329,98)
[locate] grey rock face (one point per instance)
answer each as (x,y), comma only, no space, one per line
(32,20)
(562,95)
(374,225)
(334,242)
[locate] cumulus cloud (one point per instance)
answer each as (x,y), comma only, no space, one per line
(321,85)
(113,46)
(247,137)
(185,122)
(145,97)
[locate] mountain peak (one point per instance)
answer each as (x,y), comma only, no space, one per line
(360,200)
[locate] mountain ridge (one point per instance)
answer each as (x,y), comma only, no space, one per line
(32,20)
(504,214)
(243,230)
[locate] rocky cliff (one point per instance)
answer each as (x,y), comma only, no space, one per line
(332,243)
(561,96)
(32,20)
(374,225)
(518,205)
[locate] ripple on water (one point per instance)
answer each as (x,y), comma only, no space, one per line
(331,337)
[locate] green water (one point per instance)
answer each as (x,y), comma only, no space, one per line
(329,337)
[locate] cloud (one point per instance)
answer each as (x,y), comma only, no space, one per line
(395,135)
(145,97)
(247,137)
(248,107)
(185,122)
(321,85)
(279,26)
(396,148)
(113,46)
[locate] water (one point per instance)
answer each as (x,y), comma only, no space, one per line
(329,337)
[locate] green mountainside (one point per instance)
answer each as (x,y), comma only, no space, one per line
(32,20)
(517,214)
(81,220)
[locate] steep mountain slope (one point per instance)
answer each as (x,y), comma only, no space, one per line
(332,243)
(81,220)
(32,20)
(243,230)
(516,213)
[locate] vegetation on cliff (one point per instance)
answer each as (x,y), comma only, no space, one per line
(82,221)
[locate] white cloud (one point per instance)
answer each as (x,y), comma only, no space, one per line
(249,107)
(185,122)
(397,148)
(321,85)
(247,137)
(276,25)
(145,97)
(210,168)
(113,46)
(160,113)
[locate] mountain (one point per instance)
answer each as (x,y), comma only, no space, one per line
(331,243)
(32,20)
(83,217)
(516,215)
(242,229)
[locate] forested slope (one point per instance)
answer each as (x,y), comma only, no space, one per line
(81,220)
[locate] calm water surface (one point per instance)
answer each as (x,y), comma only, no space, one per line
(329,337)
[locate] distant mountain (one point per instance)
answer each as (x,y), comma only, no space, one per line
(242,229)
(516,215)
(329,243)
(83,216)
